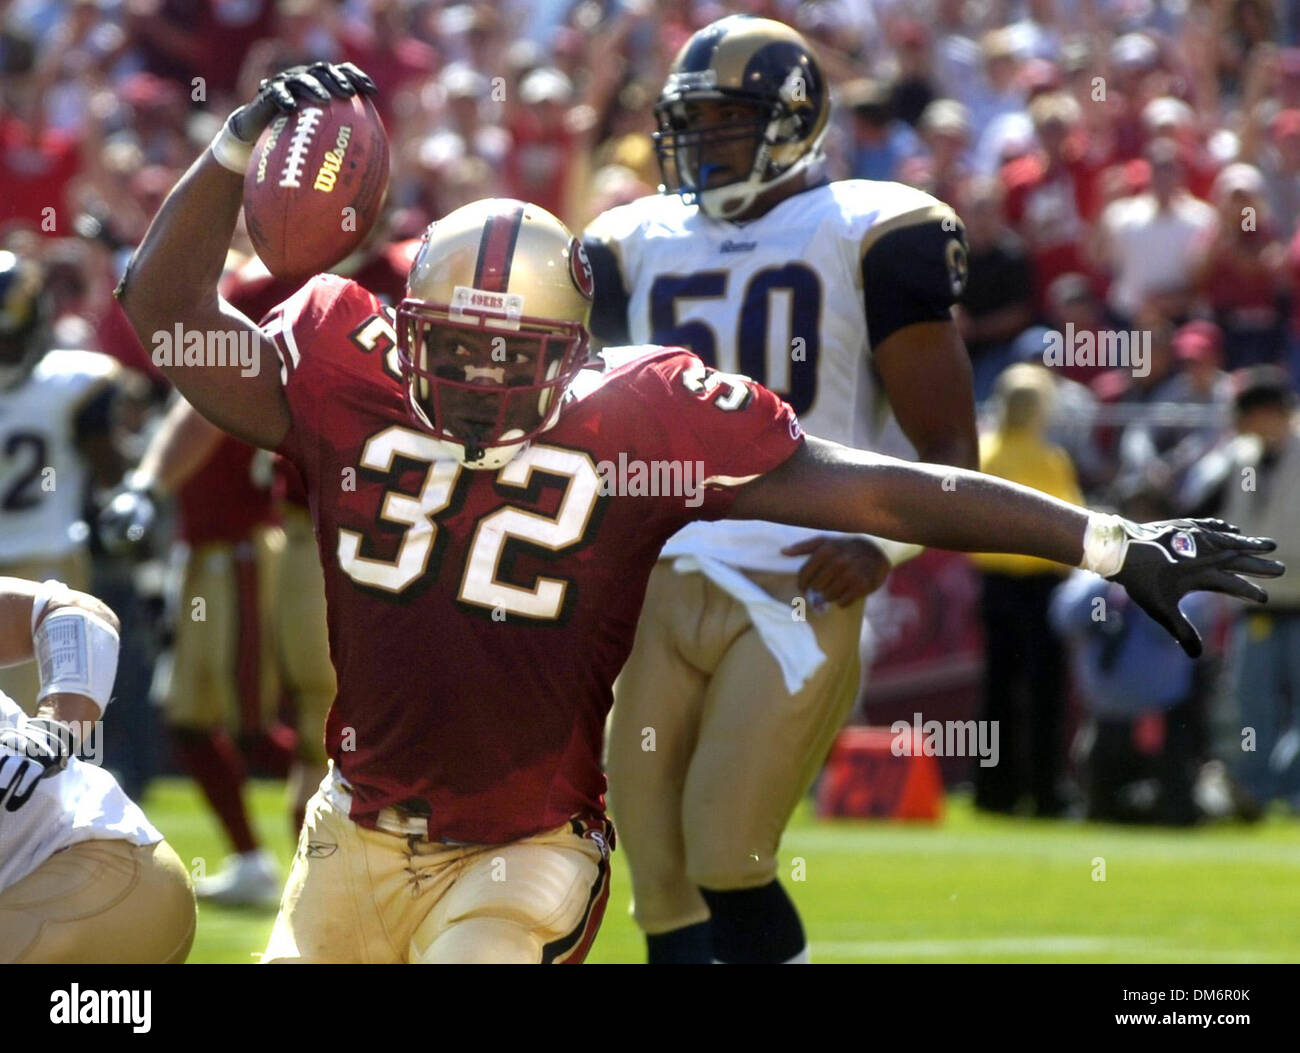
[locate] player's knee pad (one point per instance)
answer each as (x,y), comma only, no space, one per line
(479,941)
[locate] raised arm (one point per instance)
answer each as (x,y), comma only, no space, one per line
(172,279)
(831,487)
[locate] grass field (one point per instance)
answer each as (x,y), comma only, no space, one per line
(971,889)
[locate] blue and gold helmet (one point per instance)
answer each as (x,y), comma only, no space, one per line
(24,317)
(768,76)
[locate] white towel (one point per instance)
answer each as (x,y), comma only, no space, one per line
(792,641)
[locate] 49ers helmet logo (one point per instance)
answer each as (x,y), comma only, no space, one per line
(580,269)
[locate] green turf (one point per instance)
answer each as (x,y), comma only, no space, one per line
(971,889)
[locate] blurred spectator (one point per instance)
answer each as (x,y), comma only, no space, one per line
(879,143)
(1241,272)
(913,87)
(958,59)
(1261,487)
(1170,118)
(544,138)
(1279,162)
(1155,453)
(1024,671)
(996,306)
(377,39)
(1145,739)
(943,169)
(1148,242)
(1134,62)
(994,95)
(1052,191)
(1072,307)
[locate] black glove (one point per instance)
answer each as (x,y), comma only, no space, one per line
(32,751)
(126,520)
(280,94)
(1166,560)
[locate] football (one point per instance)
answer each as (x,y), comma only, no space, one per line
(315,185)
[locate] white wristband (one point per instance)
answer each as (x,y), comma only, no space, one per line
(76,652)
(1105,544)
(230,151)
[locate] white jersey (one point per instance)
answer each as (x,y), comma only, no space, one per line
(80,803)
(793,300)
(42,475)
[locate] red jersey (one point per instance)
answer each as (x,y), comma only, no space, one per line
(477,619)
(222,501)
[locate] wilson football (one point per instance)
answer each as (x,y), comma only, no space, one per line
(315,185)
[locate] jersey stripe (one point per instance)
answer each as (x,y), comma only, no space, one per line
(496,248)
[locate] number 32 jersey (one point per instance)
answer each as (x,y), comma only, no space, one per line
(477,619)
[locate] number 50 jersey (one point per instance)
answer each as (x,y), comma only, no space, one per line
(795,299)
(477,619)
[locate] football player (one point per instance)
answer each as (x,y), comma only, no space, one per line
(55,442)
(84,876)
(280,629)
(836,295)
(487,539)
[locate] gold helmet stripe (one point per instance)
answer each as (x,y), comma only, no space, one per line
(496,249)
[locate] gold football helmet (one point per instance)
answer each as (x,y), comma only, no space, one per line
(493,327)
(765,76)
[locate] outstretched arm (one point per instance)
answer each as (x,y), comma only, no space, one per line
(831,487)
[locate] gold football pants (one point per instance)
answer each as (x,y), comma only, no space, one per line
(97,902)
(361,895)
(708,754)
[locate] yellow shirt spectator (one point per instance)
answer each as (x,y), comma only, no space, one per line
(1023,455)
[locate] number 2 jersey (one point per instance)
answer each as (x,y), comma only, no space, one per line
(477,619)
(795,299)
(43,477)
